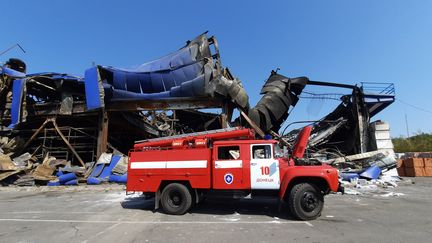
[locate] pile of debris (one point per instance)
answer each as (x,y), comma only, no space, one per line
(29,170)
(384,185)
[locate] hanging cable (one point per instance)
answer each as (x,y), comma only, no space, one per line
(414,106)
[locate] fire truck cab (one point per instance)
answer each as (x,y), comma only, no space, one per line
(180,171)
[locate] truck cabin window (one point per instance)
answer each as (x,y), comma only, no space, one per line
(261,152)
(278,151)
(229,153)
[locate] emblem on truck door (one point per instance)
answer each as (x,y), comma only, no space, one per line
(229,178)
(264,169)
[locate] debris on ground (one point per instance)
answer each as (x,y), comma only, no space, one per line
(55,172)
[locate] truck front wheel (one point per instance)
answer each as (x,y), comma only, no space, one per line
(305,201)
(176,199)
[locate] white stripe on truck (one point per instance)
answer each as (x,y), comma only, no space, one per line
(225,164)
(175,164)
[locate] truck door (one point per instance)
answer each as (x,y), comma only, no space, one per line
(227,167)
(264,168)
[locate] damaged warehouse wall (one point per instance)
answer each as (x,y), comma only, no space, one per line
(345,137)
(77,119)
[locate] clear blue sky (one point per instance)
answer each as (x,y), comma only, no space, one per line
(337,41)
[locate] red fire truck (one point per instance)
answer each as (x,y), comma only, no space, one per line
(179,171)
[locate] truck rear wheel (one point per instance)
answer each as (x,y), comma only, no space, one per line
(305,201)
(176,199)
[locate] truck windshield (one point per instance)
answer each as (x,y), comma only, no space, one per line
(261,152)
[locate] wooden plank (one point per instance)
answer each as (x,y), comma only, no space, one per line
(253,124)
(102,141)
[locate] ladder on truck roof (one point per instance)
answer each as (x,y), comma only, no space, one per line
(225,133)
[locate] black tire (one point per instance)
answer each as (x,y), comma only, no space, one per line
(176,199)
(305,201)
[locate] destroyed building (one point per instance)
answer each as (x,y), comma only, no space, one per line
(77,119)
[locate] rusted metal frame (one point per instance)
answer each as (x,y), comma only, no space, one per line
(41,84)
(52,120)
(69,139)
(338,85)
(33,136)
(54,109)
(36,150)
(224,120)
(213,40)
(362,117)
(166,104)
(132,105)
(89,135)
(67,142)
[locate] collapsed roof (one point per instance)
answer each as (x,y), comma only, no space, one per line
(192,71)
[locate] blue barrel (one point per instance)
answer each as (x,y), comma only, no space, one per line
(118,178)
(71,183)
(349,176)
(372,172)
(53,183)
(66,177)
(93,181)
(59,173)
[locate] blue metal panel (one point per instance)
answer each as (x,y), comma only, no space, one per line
(133,84)
(169,80)
(119,80)
(12,73)
(191,88)
(93,89)
(97,170)
(179,74)
(372,172)
(156,79)
(145,81)
(17,94)
(107,170)
(121,94)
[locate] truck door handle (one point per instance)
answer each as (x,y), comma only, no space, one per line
(253,163)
